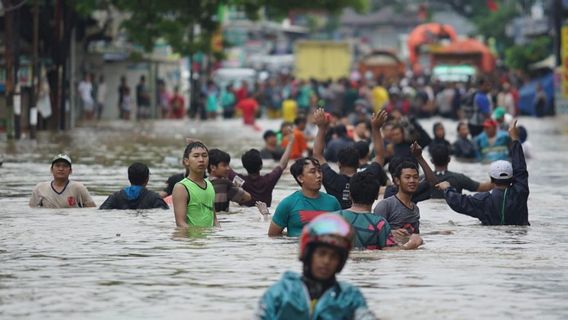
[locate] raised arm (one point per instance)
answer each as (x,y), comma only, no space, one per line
(520,173)
(322,122)
(377,122)
(416,151)
(286,156)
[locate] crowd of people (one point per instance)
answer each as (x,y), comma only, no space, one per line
(365,145)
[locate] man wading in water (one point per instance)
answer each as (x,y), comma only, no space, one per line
(506,204)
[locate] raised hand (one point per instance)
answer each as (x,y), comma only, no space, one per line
(514,131)
(379,119)
(416,150)
(320,119)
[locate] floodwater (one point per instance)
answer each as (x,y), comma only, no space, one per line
(91,264)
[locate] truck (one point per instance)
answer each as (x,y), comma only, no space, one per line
(322,60)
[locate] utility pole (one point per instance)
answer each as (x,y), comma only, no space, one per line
(34,95)
(9,65)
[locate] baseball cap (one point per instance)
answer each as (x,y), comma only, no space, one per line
(489,123)
(499,113)
(61,156)
(501,170)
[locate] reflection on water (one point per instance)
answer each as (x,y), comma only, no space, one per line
(90,264)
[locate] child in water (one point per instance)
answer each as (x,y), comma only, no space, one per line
(316,294)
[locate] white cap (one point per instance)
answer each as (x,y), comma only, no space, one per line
(61,156)
(501,170)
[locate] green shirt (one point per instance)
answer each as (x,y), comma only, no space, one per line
(296,210)
(200,212)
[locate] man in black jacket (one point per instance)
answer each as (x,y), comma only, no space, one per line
(136,196)
(506,204)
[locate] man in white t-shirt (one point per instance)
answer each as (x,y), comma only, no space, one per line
(61,192)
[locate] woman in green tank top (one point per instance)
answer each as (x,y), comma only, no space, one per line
(194,196)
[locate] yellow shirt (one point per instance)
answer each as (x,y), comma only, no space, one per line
(380,98)
(289,110)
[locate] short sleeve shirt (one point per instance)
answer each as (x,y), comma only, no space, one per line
(336,185)
(225,191)
(260,187)
(74,195)
(398,215)
(371,231)
(296,210)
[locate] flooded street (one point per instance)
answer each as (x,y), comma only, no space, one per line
(92,264)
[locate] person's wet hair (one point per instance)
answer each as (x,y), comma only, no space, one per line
(348,157)
(267,134)
(404,165)
(362,148)
(440,154)
(216,157)
(298,167)
(252,161)
(300,120)
(191,146)
(138,174)
(364,188)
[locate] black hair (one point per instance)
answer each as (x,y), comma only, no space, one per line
(252,161)
(138,174)
(362,148)
(298,167)
(404,165)
(440,154)
(461,123)
(340,130)
(435,126)
(189,147)
(268,133)
(348,157)
(364,188)
(217,156)
(522,134)
(299,120)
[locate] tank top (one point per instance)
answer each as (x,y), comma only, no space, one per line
(200,207)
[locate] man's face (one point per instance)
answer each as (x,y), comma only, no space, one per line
(197,160)
(361,130)
(61,170)
(387,132)
(271,141)
(408,181)
(440,132)
(464,131)
(324,262)
(286,130)
(311,177)
(490,131)
(221,170)
(397,136)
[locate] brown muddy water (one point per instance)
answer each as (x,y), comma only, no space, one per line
(92,264)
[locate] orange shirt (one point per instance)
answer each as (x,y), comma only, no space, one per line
(300,144)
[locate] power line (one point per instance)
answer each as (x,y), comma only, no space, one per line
(14,7)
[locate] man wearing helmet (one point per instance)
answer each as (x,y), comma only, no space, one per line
(316,294)
(506,204)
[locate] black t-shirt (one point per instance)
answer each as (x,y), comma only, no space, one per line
(456,180)
(337,184)
(172,180)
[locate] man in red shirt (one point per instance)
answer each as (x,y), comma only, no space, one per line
(300,143)
(248,107)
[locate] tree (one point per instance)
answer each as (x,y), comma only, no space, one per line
(521,56)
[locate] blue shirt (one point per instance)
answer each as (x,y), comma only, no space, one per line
(499,150)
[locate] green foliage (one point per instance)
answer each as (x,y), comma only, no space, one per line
(493,24)
(520,57)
